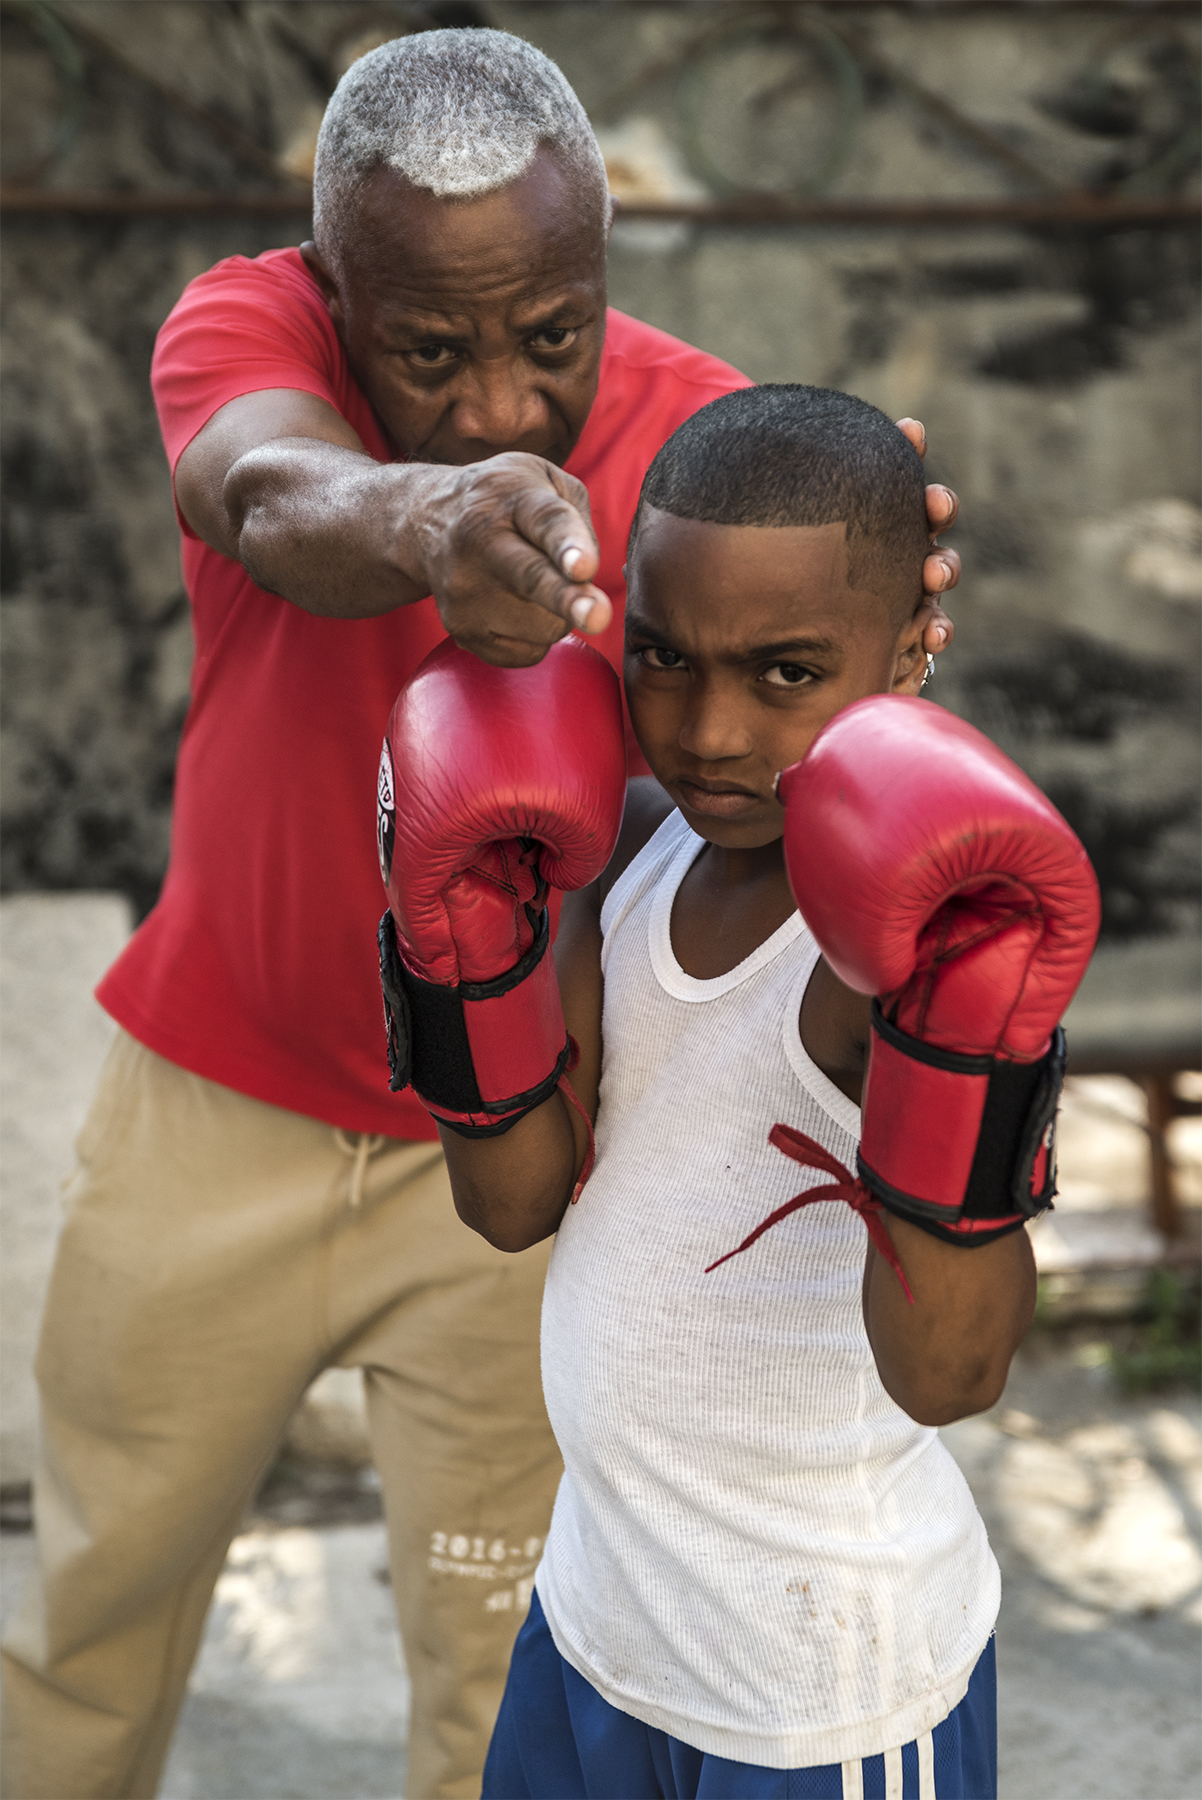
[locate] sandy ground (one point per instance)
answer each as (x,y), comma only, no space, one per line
(1094,1507)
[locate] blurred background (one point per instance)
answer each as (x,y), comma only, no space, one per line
(977,213)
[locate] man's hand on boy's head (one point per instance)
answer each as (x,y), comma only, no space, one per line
(941,570)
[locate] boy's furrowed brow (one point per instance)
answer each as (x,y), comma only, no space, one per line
(638,626)
(781,652)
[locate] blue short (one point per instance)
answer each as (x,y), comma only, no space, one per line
(557,1739)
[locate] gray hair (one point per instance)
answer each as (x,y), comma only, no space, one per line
(460,112)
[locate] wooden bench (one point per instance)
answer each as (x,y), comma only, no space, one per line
(1139,1014)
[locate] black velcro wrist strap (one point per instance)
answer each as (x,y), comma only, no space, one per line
(463,1129)
(428,1046)
(937,1228)
(396,1006)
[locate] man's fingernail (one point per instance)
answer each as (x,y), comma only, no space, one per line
(580,610)
(571,559)
(941,634)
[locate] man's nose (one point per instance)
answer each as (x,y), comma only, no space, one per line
(714,728)
(498,405)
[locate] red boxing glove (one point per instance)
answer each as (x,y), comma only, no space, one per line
(938,878)
(494,785)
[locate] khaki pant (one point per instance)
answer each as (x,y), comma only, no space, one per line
(218,1253)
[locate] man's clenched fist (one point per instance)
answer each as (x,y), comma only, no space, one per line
(508,548)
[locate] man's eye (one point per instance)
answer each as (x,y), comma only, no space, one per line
(553,337)
(787,675)
(432,356)
(654,656)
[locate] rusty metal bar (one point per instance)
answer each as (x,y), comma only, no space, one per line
(143,203)
(941,6)
(1066,209)
(1059,209)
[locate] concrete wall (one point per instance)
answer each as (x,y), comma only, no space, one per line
(1056,372)
(53,1037)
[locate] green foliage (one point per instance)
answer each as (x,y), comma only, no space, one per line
(1167,1349)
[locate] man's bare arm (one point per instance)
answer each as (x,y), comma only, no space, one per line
(280,482)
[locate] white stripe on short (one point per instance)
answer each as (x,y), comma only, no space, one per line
(853,1773)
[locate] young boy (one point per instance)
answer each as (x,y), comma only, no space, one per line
(765,1575)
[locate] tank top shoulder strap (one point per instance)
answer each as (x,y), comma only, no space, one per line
(643,873)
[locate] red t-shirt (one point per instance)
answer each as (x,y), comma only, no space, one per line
(257,968)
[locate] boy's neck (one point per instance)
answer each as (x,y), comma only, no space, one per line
(730,869)
(729,903)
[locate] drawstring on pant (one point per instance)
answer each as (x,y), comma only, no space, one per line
(365,1146)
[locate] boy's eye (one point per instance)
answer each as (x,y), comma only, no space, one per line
(787,675)
(553,337)
(654,656)
(432,356)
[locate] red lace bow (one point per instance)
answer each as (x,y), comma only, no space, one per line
(811,1155)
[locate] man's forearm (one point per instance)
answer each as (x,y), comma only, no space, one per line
(279,481)
(948,1354)
(327,527)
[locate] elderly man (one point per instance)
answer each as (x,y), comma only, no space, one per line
(428,400)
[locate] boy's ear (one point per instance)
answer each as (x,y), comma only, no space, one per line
(909,659)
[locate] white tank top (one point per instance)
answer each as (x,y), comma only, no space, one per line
(753,1548)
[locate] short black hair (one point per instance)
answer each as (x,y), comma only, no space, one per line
(784,454)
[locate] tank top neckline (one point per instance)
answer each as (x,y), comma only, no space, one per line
(668,972)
